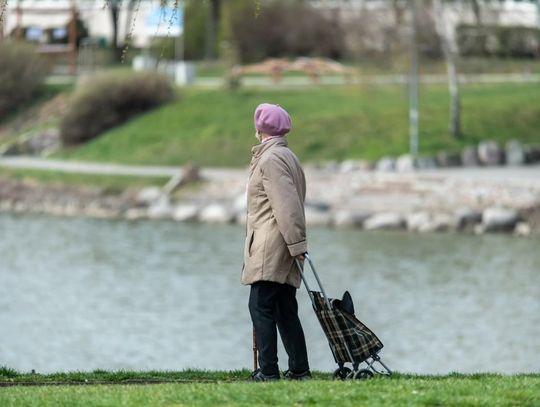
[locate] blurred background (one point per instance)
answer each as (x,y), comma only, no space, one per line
(125,136)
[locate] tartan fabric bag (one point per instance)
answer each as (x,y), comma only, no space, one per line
(344,331)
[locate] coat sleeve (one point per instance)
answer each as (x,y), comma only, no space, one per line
(286,202)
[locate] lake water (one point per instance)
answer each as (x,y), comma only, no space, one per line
(83,294)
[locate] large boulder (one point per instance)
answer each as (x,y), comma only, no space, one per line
(317,217)
(469,157)
(466,218)
(354,165)
(148,196)
(318,205)
(515,153)
(387,221)
(216,213)
(418,221)
(405,163)
(448,159)
(135,214)
(349,219)
(240,203)
(522,229)
(185,213)
(489,153)
(386,164)
(160,209)
(533,154)
(424,222)
(499,219)
(426,163)
(442,222)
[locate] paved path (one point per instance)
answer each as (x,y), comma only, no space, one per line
(522,175)
(389,79)
(80,167)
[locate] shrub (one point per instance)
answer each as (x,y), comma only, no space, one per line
(108,100)
(22,72)
(284,28)
(507,41)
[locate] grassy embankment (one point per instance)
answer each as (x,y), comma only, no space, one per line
(195,388)
(214,127)
(400,65)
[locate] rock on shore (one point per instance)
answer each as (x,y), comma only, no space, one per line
(479,201)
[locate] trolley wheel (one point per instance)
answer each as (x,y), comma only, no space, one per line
(342,373)
(363,374)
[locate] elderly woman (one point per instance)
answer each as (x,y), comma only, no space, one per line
(276,235)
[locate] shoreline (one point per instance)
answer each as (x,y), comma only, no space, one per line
(471,201)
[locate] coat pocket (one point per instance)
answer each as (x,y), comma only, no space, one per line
(250,242)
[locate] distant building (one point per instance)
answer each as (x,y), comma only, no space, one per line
(524,13)
(54,14)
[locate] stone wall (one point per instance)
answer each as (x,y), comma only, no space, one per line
(343,196)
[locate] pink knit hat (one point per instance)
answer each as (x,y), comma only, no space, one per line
(272,119)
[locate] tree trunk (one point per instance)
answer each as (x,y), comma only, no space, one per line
(449,48)
(129,22)
(414,129)
(214,7)
(114,6)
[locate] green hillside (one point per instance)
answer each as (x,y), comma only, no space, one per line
(214,127)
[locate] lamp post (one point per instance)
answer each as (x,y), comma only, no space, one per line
(413,84)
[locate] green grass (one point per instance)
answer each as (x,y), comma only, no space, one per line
(109,183)
(199,388)
(399,64)
(214,127)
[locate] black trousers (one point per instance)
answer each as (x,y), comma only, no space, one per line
(274,305)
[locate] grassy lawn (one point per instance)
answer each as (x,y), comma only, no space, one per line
(399,64)
(214,127)
(109,183)
(194,388)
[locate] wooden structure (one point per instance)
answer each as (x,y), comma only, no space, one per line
(53,49)
(312,67)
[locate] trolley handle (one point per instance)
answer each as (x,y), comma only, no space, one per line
(301,268)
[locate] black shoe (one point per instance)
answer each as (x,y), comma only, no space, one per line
(258,376)
(289,375)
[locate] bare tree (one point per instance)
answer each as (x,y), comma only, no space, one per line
(212,28)
(129,19)
(445,29)
(114,8)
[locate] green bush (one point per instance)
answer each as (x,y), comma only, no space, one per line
(510,41)
(110,99)
(282,28)
(22,72)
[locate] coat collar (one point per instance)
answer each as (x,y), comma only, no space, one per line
(259,149)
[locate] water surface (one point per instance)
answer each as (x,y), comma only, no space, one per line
(83,294)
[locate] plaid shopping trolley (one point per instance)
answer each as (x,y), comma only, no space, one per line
(350,340)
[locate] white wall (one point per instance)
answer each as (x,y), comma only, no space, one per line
(94,13)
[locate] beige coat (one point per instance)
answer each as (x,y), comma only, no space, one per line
(276,226)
